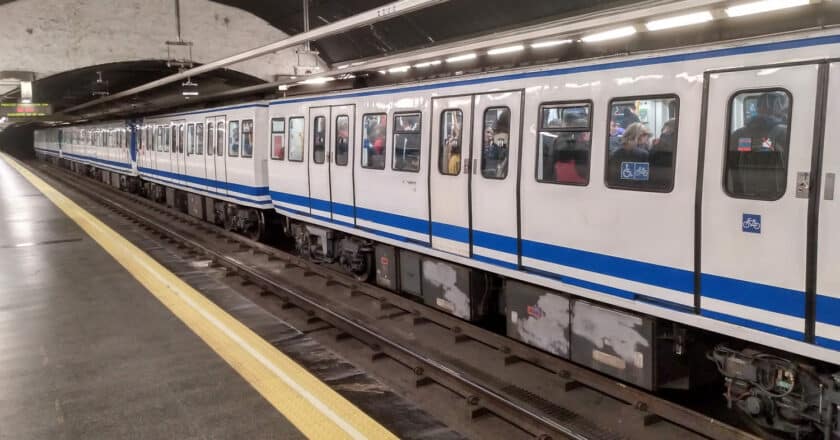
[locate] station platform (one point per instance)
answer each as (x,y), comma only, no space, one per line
(98,340)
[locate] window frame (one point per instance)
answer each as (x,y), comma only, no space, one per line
(272,133)
(395,132)
(349,142)
(591,130)
(440,144)
(314,139)
(727,133)
(199,146)
(510,128)
(211,138)
(362,138)
(670,187)
(223,131)
(302,141)
(190,139)
(242,138)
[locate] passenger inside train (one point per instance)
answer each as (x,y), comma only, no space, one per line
(450,141)
(494,155)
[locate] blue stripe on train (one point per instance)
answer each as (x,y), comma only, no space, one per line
(236,187)
(828,310)
(760,326)
(102,161)
(761,296)
(265,204)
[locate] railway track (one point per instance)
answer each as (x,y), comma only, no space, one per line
(490,375)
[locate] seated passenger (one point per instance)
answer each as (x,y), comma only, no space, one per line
(570,158)
(766,131)
(615,136)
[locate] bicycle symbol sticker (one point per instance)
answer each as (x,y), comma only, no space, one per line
(751,223)
(635,171)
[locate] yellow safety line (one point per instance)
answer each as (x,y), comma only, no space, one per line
(314,408)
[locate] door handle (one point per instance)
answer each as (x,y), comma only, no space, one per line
(829,186)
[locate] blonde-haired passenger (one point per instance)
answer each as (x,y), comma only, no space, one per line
(635,148)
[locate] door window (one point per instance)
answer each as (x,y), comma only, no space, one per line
(190,139)
(211,138)
(220,138)
(199,138)
(449,160)
(319,139)
(564,143)
(495,143)
(342,139)
(759,139)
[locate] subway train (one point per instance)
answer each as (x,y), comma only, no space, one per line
(662,218)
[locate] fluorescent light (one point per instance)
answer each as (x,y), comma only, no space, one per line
(190,93)
(343,66)
(464,57)
(763,6)
(427,64)
(320,80)
(625,31)
(283,87)
(357,63)
(549,43)
(383,72)
(400,69)
(508,49)
(679,20)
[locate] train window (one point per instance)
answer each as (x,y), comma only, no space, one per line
(233,138)
(642,143)
(278,131)
(374,129)
(199,138)
(759,140)
(564,143)
(220,138)
(296,126)
(496,141)
(319,139)
(247,137)
(167,133)
(190,139)
(406,155)
(449,161)
(342,140)
(211,138)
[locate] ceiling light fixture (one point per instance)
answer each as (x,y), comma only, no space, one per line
(508,49)
(459,58)
(611,34)
(400,69)
(549,43)
(762,6)
(427,64)
(320,80)
(679,21)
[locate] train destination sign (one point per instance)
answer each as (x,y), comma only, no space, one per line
(14,110)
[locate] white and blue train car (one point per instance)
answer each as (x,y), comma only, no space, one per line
(210,161)
(693,187)
(47,144)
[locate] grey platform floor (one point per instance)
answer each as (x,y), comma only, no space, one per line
(87,353)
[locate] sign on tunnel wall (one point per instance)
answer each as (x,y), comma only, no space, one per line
(14,110)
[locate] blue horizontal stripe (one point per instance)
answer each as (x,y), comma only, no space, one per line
(828,310)
(321,205)
(648,273)
(828,343)
(496,242)
(102,161)
(294,199)
(760,326)
(343,209)
(393,220)
(451,232)
(393,236)
(583,283)
(263,203)
(676,58)
(761,296)
(236,187)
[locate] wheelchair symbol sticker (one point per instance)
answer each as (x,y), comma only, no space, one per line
(635,171)
(751,223)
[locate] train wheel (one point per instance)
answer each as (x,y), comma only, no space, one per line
(256,228)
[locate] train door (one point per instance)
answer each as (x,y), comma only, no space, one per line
(494,173)
(450,174)
(182,153)
(219,158)
(210,159)
(319,163)
(341,164)
(194,158)
(754,218)
(828,241)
